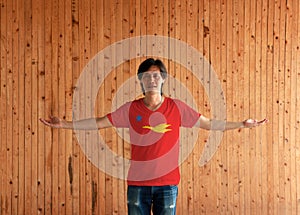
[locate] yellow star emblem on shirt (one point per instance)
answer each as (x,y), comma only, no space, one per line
(161,128)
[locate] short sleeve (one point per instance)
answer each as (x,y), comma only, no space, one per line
(188,115)
(120,117)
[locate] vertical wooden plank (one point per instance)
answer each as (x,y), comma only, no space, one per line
(1,76)
(173,71)
(6,67)
(3,95)
(133,13)
(150,19)
(191,39)
(230,92)
(264,103)
(48,108)
(9,107)
(117,80)
(218,69)
(106,201)
(254,181)
(68,162)
(297,66)
(16,107)
(55,106)
(94,5)
(27,107)
(193,22)
(287,106)
(246,104)
(6,108)
(143,26)
(61,98)
(282,100)
(40,10)
(213,59)
(88,90)
(94,157)
(229,103)
(223,165)
(257,109)
(74,165)
(186,180)
(82,159)
(293,17)
(21,100)
(34,106)
(128,70)
(101,18)
(107,100)
(1,118)
(172,26)
(270,142)
(181,206)
(233,106)
(117,28)
(117,21)
(240,31)
(275,117)
(205,45)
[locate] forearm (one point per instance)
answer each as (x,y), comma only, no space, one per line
(234,125)
(222,125)
(84,124)
(89,124)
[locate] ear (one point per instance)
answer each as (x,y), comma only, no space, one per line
(164,76)
(164,79)
(143,90)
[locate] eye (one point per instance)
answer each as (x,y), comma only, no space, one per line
(147,76)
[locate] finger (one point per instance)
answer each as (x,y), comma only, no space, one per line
(45,122)
(263,121)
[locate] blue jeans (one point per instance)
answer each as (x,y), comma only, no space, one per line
(162,200)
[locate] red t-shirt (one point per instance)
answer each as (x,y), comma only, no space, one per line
(154,139)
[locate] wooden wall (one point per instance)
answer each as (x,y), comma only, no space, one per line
(254,49)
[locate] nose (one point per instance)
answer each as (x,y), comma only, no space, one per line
(152,79)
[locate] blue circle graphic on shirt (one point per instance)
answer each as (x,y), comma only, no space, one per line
(138,118)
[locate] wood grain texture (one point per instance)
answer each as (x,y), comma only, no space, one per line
(252,46)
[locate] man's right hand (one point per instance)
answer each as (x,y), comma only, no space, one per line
(54,122)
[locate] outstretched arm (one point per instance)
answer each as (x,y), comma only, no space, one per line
(209,124)
(85,124)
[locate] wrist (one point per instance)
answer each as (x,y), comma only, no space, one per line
(67,125)
(243,124)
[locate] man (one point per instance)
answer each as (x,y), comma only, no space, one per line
(154,123)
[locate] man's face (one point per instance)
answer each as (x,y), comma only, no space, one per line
(152,80)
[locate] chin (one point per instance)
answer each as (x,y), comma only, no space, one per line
(152,91)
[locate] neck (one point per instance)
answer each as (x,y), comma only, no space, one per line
(153,101)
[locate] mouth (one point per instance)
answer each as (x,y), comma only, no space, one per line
(151,89)
(151,86)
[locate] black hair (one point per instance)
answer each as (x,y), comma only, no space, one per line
(146,64)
